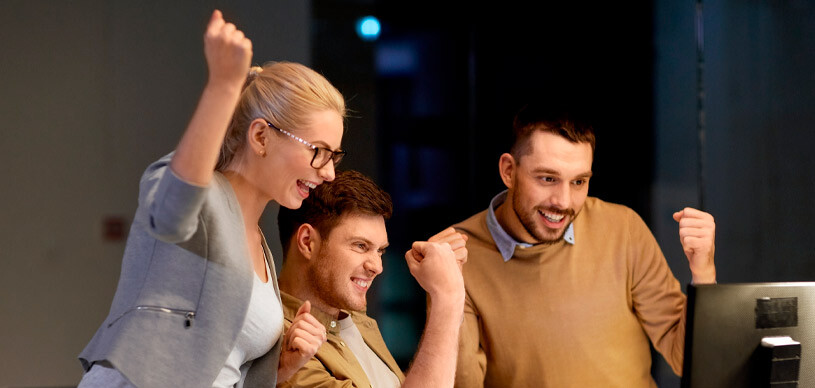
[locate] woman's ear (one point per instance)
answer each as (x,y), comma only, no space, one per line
(257,137)
(308,241)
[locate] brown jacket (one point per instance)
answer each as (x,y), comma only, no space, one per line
(335,365)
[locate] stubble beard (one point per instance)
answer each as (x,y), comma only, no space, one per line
(326,287)
(529,221)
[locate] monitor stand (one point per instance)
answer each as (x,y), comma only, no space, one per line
(781,361)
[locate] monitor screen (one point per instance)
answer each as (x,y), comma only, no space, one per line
(726,324)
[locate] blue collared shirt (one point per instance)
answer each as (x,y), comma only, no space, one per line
(505,243)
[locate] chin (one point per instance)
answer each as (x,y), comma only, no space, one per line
(293,205)
(357,306)
(547,237)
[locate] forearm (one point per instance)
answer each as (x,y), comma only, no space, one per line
(197,152)
(472,361)
(435,362)
(283,375)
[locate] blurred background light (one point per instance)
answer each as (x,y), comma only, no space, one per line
(368,28)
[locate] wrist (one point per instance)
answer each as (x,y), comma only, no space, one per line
(447,305)
(224,87)
(283,374)
(707,276)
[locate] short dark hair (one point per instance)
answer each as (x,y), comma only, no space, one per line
(559,121)
(349,192)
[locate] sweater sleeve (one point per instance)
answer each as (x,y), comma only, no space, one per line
(472,361)
(656,295)
(172,204)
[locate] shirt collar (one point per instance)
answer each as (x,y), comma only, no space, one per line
(291,304)
(505,243)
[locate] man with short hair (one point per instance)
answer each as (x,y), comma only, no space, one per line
(333,246)
(563,289)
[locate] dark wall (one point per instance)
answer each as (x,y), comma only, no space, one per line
(762,110)
(477,66)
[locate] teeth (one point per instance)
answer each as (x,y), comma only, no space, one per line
(308,184)
(552,217)
(361,283)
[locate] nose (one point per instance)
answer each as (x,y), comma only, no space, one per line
(561,196)
(374,264)
(326,172)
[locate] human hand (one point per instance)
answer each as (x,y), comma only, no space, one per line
(300,342)
(435,267)
(697,233)
(228,52)
(456,240)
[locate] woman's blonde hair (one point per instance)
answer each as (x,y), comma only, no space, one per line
(286,94)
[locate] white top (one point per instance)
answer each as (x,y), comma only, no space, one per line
(261,329)
(378,372)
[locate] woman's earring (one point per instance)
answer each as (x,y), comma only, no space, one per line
(262,153)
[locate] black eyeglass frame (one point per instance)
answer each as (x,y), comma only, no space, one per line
(336,156)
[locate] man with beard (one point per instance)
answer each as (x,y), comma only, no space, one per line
(562,289)
(333,246)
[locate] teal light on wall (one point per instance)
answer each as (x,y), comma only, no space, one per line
(368,28)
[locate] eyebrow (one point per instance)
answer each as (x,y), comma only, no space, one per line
(322,144)
(587,174)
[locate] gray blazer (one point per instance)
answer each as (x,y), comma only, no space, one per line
(184,288)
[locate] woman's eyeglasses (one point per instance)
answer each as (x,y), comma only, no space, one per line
(322,155)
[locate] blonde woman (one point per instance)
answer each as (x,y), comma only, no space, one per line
(197,302)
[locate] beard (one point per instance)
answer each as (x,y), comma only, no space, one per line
(530,219)
(329,287)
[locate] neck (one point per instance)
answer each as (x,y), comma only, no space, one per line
(291,281)
(251,202)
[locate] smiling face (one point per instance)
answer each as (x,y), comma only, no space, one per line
(287,170)
(347,261)
(547,188)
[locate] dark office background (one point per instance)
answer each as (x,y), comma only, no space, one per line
(446,83)
(92,91)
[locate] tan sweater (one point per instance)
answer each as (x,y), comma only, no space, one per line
(565,315)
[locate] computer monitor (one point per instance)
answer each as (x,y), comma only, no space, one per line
(725,327)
